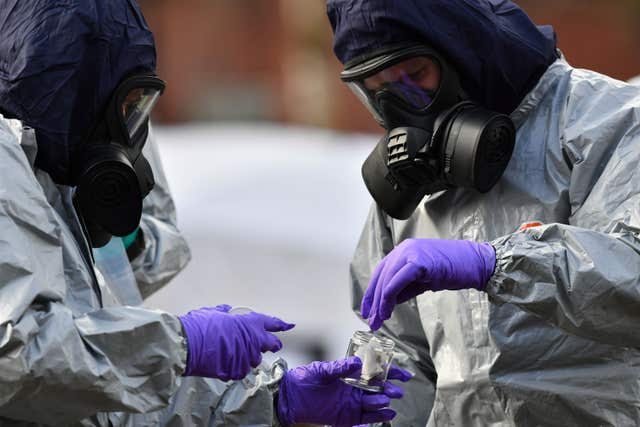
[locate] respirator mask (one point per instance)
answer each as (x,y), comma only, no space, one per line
(112,175)
(436,138)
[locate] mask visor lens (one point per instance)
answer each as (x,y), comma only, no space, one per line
(364,98)
(137,106)
(415,80)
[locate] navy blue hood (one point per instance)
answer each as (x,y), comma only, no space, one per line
(60,60)
(495,47)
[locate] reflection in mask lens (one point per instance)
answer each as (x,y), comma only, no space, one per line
(414,80)
(137,106)
(415,96)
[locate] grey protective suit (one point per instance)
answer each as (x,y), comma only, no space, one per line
(555,340)
(73,345)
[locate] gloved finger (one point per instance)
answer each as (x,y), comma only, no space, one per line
(367,300)
(239,375)
(255,358)
(269,342)
(373,402)
(412,291)
(240,367)
(393,265)
(374,321)
(221,376)
(223,307)
(403,279)
(397,373)
(392,390)
(374,315)
(273,324)
(341,368)
(378,416)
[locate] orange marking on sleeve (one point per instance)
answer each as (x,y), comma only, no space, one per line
(529,225)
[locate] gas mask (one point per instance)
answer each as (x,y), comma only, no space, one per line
(436,138)
(111,173)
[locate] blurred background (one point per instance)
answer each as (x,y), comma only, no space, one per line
(272,60)
(262,146)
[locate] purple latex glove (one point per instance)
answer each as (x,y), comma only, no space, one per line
(226,346)
(315,394)
(419,265)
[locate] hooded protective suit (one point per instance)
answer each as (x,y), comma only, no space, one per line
(73,345)
(554,340)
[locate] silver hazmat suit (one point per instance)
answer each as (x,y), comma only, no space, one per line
(73,351)
(555,338)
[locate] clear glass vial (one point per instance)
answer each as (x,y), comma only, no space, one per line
(376,354)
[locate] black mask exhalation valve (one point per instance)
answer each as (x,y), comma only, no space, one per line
(436,139)
(469,148)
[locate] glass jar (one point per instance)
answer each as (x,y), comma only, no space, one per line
(376,353)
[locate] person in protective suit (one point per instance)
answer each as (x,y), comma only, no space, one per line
(89,230)
(503,251)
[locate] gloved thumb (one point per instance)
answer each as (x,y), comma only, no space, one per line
(343,368)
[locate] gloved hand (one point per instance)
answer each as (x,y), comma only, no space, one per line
(315,394)
(226,346)
(419,265)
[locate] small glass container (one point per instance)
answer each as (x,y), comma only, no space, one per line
(376,353)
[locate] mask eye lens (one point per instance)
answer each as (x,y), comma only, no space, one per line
(415,80)
(137,106)
(363,96)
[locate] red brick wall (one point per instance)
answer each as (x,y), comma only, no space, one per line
(209,47)
(602,35)
(272,59)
